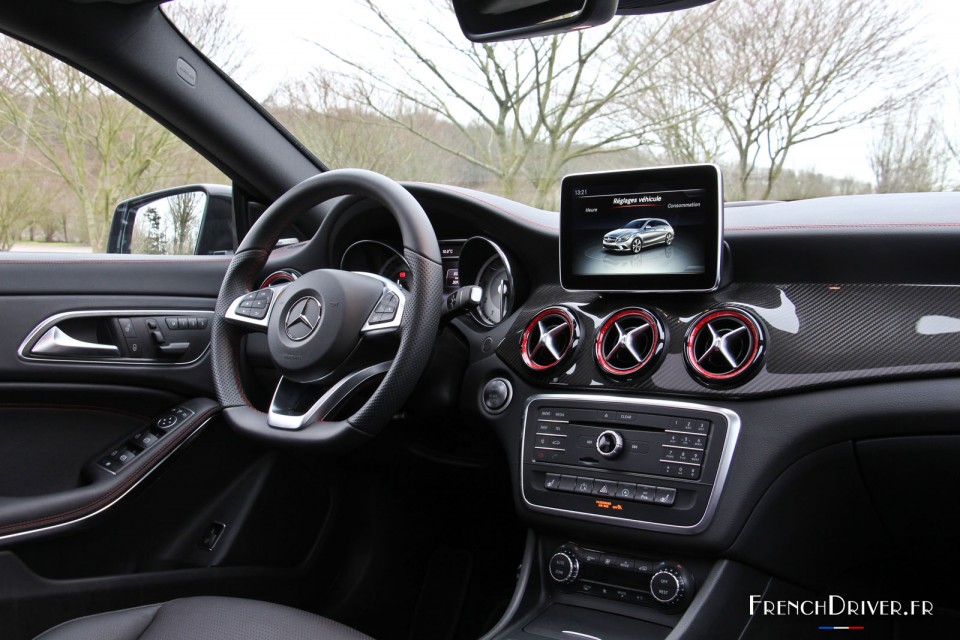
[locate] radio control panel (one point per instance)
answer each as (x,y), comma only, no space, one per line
(646,464)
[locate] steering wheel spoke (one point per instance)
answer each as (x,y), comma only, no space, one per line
(253,310)
(296,405)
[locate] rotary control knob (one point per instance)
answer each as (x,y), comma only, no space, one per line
(667,586)
(609,444)
(564,567)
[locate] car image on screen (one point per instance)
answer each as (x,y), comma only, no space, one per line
(638,234)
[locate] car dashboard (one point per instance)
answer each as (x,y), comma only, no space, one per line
(635,437)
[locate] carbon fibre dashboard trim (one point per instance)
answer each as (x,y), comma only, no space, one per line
(819,335)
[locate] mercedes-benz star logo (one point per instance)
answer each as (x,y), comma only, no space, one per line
(303,318)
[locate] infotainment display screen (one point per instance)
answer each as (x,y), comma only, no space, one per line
(658,229)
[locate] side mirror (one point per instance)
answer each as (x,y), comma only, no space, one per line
(188,220)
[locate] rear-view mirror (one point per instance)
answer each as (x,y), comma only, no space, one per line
(494,20)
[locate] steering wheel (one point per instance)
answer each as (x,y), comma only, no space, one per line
(330,333)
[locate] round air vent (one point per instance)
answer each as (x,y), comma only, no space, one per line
(549,338)
(284,276)
(723,345)
(628,341)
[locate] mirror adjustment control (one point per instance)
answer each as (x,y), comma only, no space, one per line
(173,417)
(145,441)
(167,421)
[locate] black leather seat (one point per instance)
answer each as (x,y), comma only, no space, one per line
(204,618)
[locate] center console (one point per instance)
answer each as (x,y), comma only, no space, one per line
(620,577)
(646,464)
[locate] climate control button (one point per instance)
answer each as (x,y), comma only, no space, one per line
(564,567)
(667,586)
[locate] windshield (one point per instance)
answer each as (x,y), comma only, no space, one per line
(636,224)
(793,100)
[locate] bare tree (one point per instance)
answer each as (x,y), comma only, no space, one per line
(102,147)
(909,154)
(346,134)
(97,144)
(769,75)
(523,110)
(21,204)
(951,142)
(210,27)
(185,221)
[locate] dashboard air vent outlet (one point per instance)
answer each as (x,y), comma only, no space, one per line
(723,346)
(549,338)
(628,341)
(284,276)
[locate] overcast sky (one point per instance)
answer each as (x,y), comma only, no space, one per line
(281,36)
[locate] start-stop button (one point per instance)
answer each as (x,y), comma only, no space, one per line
(496,395)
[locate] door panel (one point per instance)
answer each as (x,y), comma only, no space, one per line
(76,538)
(50,430)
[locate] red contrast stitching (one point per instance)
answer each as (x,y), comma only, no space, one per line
(490,204)
(70,407)
(878,225)
(117,262)
(123,486)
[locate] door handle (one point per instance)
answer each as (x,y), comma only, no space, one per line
(56,342)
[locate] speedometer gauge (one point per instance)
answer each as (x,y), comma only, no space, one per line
(485,265)
(494,281)
(373,256)
(396,270)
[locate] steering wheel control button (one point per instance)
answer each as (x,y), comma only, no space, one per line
(496,395)
(386,309)
(564,567)
(609,444)
(167,421)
